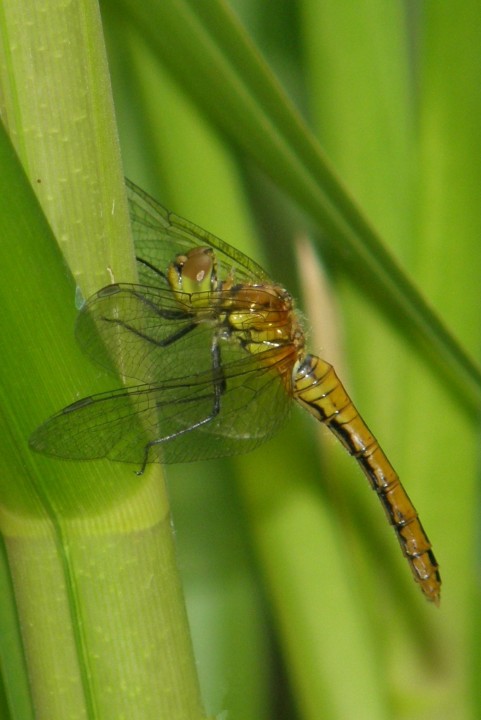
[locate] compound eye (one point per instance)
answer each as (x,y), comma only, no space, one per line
(175,272)
(198,269)
(193,272)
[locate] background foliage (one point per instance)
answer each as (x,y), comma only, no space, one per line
(290,570)
(300,603)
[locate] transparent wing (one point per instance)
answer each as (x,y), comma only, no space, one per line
(118,425)
(151,335)
(203,394)
(143,333)
(159,236)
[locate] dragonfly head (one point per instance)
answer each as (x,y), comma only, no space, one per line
(194,272)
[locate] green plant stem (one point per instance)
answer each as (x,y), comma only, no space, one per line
(89,546)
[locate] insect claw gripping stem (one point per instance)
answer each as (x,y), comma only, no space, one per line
(320,391)
(140,472)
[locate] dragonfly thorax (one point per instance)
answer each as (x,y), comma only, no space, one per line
(263,316)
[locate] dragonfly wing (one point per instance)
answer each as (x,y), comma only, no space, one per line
(159,236)
(120,424)
(151,335)
(143,333)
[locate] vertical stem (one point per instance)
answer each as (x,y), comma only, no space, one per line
(89,546)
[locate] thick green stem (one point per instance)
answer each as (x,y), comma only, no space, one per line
(89,547)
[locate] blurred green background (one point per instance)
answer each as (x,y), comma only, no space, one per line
(300,603)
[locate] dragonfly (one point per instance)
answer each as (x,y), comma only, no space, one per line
(214,353)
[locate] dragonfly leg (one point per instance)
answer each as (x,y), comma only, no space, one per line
(152,267)
(160,311)
(219,386)
(159,343)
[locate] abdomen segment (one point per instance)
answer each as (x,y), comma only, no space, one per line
(319,390)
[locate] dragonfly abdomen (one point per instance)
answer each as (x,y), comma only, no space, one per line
(319,390)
